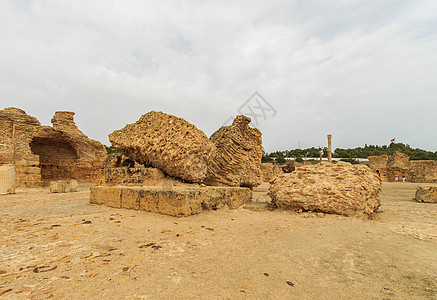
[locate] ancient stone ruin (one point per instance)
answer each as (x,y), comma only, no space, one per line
(238,156)
(269,171)
(400,164)
(339,188)
(426,195)
(42,154)
(7,179)
(166,142)
(171,167)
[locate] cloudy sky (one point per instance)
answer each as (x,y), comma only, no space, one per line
(364,71)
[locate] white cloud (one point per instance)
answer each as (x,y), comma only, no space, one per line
(363,71)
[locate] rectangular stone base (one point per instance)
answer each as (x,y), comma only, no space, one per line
(174,201)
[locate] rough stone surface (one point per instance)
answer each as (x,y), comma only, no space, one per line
(427,195)
(42,153)
(166,142)
(132,176)
(238,158)
(339,188)
(270,170)
(62,186)
(178,202)
(423,171)
(59,186)
(399,164)
(73,185)
(7,179)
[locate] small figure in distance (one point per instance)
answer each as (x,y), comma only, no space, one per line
(396,177)
(379,173)
(403,178)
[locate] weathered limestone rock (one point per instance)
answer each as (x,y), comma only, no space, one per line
(43,153)
(7,179)
(339,188)
(73,185)
(269,171)
(398,160)
(179,201)
(59,186)
(238,158)
(427,195)
(132,176)
(62,186)
(166,142)
(64,121)
(423,171)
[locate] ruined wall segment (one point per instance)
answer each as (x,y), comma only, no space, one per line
(43,153)
(238,157)
(166,142)
(400,164)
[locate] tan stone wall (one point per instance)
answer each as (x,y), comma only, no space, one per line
(269,171)
(43,153)
(423,171)
(399,164)
(176,202)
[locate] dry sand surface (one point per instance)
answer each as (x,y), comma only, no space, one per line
(59,246)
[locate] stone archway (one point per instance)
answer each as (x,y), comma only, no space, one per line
(57,157)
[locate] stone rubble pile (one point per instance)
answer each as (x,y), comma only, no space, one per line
(238,156)
(426,195)
(339,188)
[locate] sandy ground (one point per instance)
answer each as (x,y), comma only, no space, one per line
(59,246)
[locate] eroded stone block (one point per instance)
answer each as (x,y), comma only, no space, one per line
(173,201)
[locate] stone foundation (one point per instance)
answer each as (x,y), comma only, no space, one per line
(175,201)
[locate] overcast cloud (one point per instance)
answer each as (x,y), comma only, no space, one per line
(364,71)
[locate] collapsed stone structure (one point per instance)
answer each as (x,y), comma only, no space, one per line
(427,195)
(269,171)
(339,188)
(230,157)
(400,164)
(238,156)
(168,164)
(166,142)
(42,153)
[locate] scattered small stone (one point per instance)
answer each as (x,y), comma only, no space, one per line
(266,274)
(290,283)
(4,292)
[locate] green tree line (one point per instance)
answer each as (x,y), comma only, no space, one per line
(359,152)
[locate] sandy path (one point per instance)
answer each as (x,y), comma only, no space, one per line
(60,246)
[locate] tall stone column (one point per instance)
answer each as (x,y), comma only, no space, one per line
(329,148)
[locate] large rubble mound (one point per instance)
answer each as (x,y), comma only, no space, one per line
(339,188)
(166,142)
(43,153)
(238,158)
(427,195)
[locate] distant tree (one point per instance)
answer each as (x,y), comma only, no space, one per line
(280,160)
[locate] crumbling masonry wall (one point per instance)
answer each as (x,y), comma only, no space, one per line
(43,153)
(399,164)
